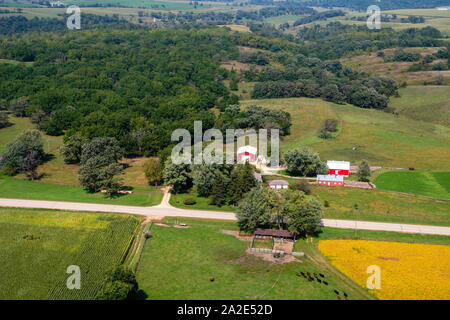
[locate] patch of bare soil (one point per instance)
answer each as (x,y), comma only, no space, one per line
(269,257)
(151,218)
(285,246)
(236,235)
(162,225)
(235,65)
(240,260)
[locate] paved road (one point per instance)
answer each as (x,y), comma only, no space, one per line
(166,210)
(160,210)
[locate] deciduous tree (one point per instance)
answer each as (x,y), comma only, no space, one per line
(255,209)
(153,169)
(304,162)
(177,175)
(72,149)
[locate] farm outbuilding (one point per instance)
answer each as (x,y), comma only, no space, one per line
(259,232)
(341,168)
(330,180)
(278,184)
(247,153)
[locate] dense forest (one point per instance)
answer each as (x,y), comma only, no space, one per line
(20,24)
(335,39)
(139,85)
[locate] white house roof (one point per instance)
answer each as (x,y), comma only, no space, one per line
(330,177)
(278,183)
(342,165)
(248,149)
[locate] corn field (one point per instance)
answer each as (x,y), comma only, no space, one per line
(35,252)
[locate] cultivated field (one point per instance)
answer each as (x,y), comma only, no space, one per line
(37,246)
(431,184)
(408,271)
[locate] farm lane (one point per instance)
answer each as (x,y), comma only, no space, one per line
(168,211)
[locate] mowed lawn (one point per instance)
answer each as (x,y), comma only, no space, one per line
(37,246)
(202,203)
(432,184)
(378,205)
(35,190)
(381,138)
(178,264)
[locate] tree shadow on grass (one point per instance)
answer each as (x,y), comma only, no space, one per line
(48,157)
(140,295)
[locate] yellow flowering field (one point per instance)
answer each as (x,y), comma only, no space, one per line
(408,270)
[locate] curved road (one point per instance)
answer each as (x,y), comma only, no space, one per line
(164,209)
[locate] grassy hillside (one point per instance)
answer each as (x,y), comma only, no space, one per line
(382,138)
(375,65)
(432,184)
(426,103)
(434,18)
(37,246)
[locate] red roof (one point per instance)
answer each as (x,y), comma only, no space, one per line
(273,233)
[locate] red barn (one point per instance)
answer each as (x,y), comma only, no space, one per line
(330,180)
(341,168)
(247,153)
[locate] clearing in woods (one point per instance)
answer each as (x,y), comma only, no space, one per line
(59,181)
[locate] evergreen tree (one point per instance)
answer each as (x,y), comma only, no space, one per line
(364,171)
(219,190)
(242,181)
